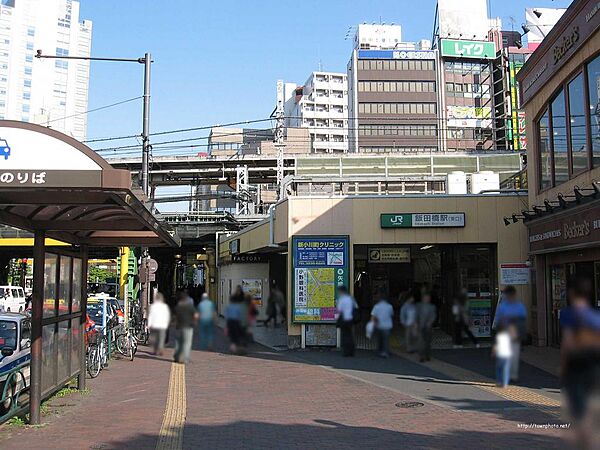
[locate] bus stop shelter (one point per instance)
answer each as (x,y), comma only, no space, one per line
(56,187)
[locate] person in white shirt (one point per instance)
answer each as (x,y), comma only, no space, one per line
(159,319)
(382,315)
(503,352)
(346,309)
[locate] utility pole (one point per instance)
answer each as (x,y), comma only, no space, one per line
(279,135)
(146,128)
(145,174)
(147,62)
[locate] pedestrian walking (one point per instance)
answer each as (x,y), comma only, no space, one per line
(580,360)
(346,311)
(252,314)
(159,319)
(274,303)
(461,320)
(511,311)
(426,315)
(383,315)
(408,319)
(502,350)
(234,317)
(207,313)
(185,319)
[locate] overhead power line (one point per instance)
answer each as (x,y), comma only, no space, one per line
(95,109)
(182,130)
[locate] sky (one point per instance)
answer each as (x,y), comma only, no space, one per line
(217,61)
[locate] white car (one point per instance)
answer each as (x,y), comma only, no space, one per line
(12,299)
(15,352)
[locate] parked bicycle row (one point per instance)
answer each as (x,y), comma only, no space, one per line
(107,332)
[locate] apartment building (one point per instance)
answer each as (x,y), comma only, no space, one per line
(48,92)
(321,106)
(393,104)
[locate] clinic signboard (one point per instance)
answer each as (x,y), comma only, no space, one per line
(458,48)
(396,54)
(423,220)
(320,264)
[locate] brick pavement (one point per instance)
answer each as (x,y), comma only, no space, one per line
(276,400)
(273,401)
(125,405)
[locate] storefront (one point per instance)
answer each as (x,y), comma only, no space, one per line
(564,247)
(560,90)
(381,244)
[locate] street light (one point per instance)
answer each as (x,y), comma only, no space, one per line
(145,175)
(146,61)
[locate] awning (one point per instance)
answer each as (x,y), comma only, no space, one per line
(51,182)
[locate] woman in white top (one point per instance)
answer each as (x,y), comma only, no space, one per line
(159,319)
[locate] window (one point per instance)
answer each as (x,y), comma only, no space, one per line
(26,95)
(577,126)
(65,52)
(30,46)
(30,31)
(28,70)
(593,72)
(559,139)
(25,108)
(545,152)
(61,64)
(28,58)
(27,83)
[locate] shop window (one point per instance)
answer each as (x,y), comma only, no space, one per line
(545,178)
(577,126)
(593,73)
(559,139)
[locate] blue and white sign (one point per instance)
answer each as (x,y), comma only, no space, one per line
(4,149)
(396,54)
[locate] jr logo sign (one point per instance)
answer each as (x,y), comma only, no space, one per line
(4,149)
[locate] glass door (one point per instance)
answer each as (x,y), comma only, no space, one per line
(558,292)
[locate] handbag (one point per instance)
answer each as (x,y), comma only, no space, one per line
(369,329)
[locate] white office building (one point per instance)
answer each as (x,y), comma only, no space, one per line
(321,105)
(50,92)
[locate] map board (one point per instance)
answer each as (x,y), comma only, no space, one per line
(319,265)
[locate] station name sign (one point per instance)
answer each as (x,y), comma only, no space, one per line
(457,48)
(423,220)
(396,54)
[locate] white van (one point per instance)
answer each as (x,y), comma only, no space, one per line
(12,299)
(15,356)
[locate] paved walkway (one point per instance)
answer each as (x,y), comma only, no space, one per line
(299,399)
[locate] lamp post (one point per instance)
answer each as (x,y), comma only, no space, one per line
(146,60)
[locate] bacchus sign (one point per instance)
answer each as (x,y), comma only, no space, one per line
(569,230)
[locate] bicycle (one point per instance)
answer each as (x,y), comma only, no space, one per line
(93,360)
(127,344)
(139,324)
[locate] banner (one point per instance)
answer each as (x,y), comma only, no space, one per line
(514,274)
(480,317)
(468,49)
(254,289)
(320,264)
